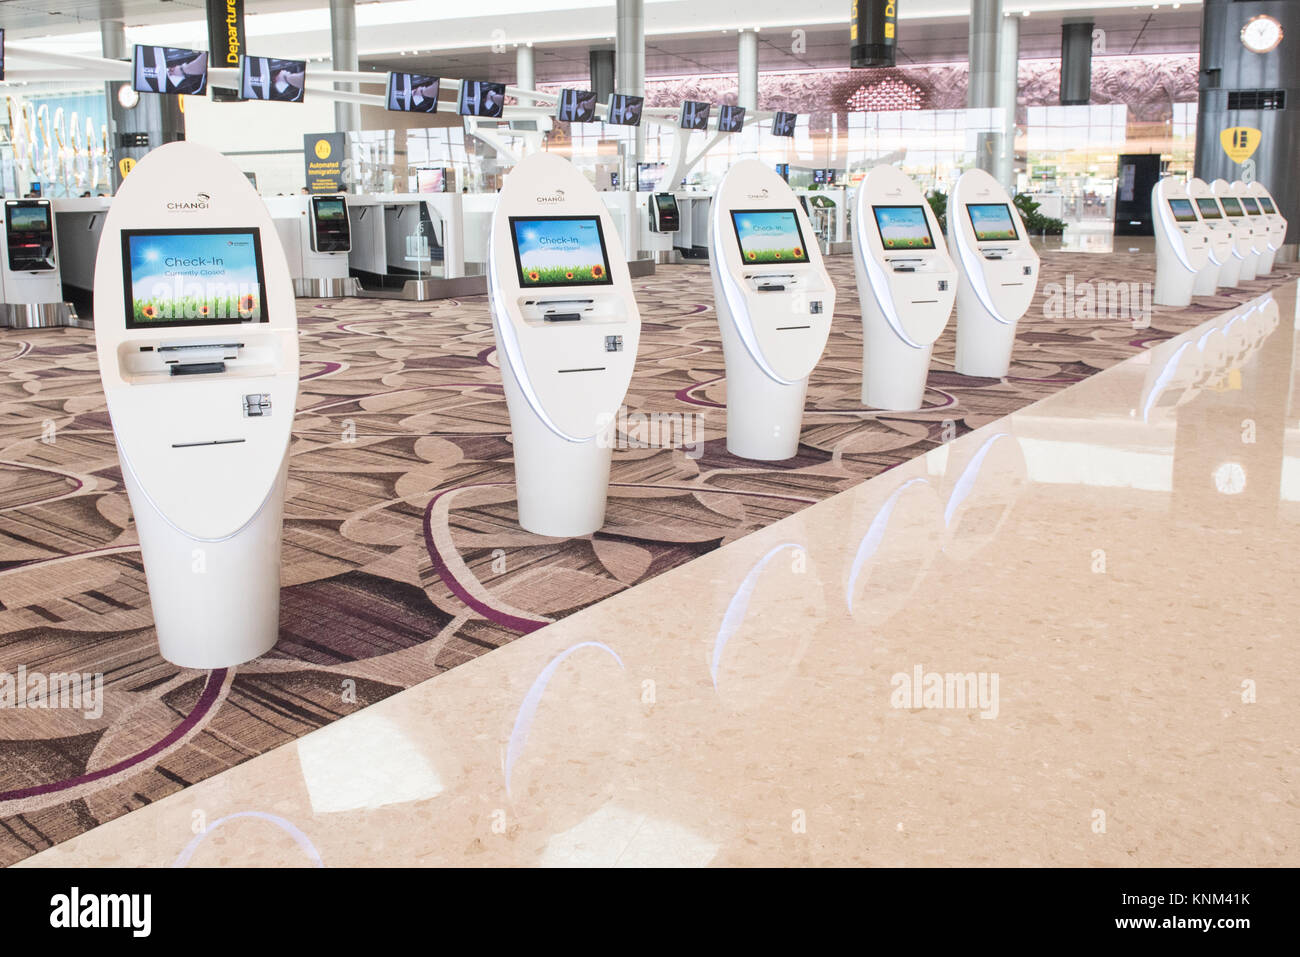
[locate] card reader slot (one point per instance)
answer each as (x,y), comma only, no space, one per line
(195,445)
(770,288)
(197,368)
(562,316)
(191,346)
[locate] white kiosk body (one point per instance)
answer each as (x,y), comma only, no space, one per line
(998,273)
(906,285)
(317,238)
(1277,224)
(31,289)
(1245,247)
(567,328)
(775,302)
(1182,243)
(197,340)
(1223,266)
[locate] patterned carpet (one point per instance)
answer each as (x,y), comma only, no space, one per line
(402,555)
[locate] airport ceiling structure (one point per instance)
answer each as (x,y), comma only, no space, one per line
(683,37)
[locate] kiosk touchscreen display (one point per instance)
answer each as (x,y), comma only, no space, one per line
(992,222)
(769,236)
(903,227)
(330,214)
(1209,208)
(1267,205)
(192,277)
(29,235)
(560,251)
(1231,206)
(1183,210)
(1249,203)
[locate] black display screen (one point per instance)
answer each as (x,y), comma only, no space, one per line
(330,221)
(29,235)
(169,70)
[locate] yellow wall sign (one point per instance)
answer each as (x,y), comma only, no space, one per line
(323,149)
(125,165)
(1240,142)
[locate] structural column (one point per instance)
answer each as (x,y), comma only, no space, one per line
(629,72)
(343,36)
(525,76)
(747,70)
(982,91)
(1008,89)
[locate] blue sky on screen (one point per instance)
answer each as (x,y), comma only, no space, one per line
(564,242)
(212,258)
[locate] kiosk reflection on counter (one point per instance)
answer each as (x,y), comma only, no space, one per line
(567,327)
(197,341)
(906,284)
(998,273)
(774,300)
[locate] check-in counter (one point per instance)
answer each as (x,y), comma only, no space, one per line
(80,222)
(398,238)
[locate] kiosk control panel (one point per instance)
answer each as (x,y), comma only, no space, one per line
(664,215)
(330,231)
(29,235)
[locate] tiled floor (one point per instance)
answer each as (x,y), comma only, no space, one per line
(1066,637)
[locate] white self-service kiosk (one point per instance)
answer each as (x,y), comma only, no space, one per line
(567,328)
(1277,224)
(197,340)
(317,238)
(906,284)
(1221,264)
(1182,243)
(775,302)
(31,289)
(998,273)
(1248,244)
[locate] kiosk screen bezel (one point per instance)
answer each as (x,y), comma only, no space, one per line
(128,284)
(740,242)
(1006,210)
(46,263)
(925,221)
(524,283)
(1215,211)
(1183,217)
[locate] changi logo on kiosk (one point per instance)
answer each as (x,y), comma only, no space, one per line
(555,197)
(761,194)
(200,201)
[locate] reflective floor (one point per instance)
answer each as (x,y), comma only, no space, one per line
(1066,638)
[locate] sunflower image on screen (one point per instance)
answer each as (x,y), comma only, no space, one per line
(903,227)
(769,236)
(560,251)
(192,277)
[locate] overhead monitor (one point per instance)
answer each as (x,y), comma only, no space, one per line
(481,98)
(783,123)
(1267,205)
(1183,210)
(169,70)
(29,239)
(1248,202)
(769,236)
(694,115)
(783,170)
(431,179)
(625,109)
(731,119)
(560,251)
(1209,207)
(412,93)
(268,78)
(903,227)
(992,222)
(192,277)
(648,176)
(1231,206)
(576,106)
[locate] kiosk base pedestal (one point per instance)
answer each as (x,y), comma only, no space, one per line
(325,288)
(216,604)
(766,425)
(1206,281)
(1174,285)
(40,315)
(984,345)
(893,373)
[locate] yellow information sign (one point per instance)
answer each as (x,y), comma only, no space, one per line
(125,165)
(1240,142)
(323,149)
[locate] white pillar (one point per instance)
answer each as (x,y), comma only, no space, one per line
(343,38)
(525,77)
(1008,88)
(747,70)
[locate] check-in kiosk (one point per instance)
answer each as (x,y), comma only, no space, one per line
(1224,266)
(774,300)
(31,289)
(997,273)
(906,284)
(1245,247)
(1182,243)
(316,234)
(1277,223)
(197,341)
(665,216)
(567,327)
